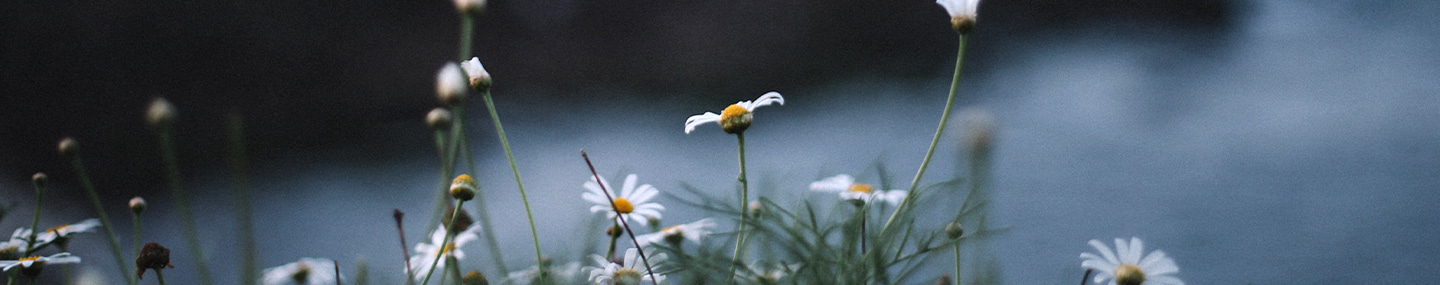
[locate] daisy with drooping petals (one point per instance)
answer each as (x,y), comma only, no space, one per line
(850,190)
(31,266)
(426,252)
(60,234)
(1125,266)
(962,13)
(632,202)
(306,271)
(677,233)
(735,118)
(630,273)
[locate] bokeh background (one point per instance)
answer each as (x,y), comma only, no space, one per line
(1266,142)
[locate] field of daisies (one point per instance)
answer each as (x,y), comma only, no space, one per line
(870,229)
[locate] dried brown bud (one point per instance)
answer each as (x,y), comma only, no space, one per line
(153,256)
(462,221)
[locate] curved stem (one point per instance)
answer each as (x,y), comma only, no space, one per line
(187,220)
(504,142)
(104,219)
(944,117)
(445,242)
(30,244)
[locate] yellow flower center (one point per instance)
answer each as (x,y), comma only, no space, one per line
(732,112)
(58,228)
(1128,274)
(32,258)
(623,206)
(860,187)
(627,276)
(448,247)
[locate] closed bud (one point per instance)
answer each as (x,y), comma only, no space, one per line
(954,230)
(137,205)
(450,85)
(474,278)
(68,147)
(160,114)
(479,78)
(40,179)
(463,187)
(756,208)
(439,119)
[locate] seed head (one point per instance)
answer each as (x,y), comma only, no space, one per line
(153,256)
(137,205)
(161,113)
(463,187)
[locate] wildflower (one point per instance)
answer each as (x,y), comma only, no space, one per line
(31,266)
(628,273)
(153,256)
(160,113)
(40,179)
(1125,267)
(735,118)
(11,249)
(306,271)
(962,14)
(463,187)
(677,233)
(479,78)
(860,192)
(979,127)
(137,205)
(631,202)
(554,275)
(60,235)
(426,252)
(450,85)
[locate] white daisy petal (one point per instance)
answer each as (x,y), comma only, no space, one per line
(765,100)
(840,182)
(1156,268)
(1104,251)
(701,119)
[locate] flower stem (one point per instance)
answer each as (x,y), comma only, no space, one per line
(744,211)
(30,244)
(104,219)
(462,145)
(187,220)
(505,143)
(944,117)
(135,239)
(160,276)
(404,249)
(610,251)
(248,264)
(957,263)
(444,243)
(1087,276)
(621,218)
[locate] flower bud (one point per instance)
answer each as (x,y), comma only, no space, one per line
(954,230)
(160,114)
(614,231)
(439,119)
(479,78)
(40,179)
(470,7)
(137,205)
(462,220)
(68,147)
(463,187)
(756,208)
(153,256)
(474,278)
(450,85)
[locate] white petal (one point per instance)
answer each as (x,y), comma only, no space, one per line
(644,194)
(1104,251)
(1163,280)
(1137,248)
(840,182)
(700,119)
(765,100)
(629,186)
(1122,251)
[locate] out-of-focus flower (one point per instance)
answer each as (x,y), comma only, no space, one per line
(772,273)
(479,78)
(425,252)
(632,272)
(471,7)
(161,113)
(1125,266)
(463,187)
(31,266)
(137,205)
(632,202)
(306,271)
(848,189)
(60,235)
(962,14)
(675,234)
(555,275)
(735,118)
(450,85)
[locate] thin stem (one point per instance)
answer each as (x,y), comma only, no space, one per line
(744,210)
(135,239)
(957,263)
(639,250)
(337,271)
(446,148)
(160,276)
(400,228)
(610,251)
(30,244)
(445,243)
(944,117)
(500,131)
(104,219)
(1086,277)
(249,267)
(863,216)
(187,220)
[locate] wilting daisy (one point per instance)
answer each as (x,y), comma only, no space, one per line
(306,271)
(1125,266)
(425,252)
(735,118)
(61,234)
(962,13)
(850,190)
(632,201)
(557,275)
(692,231)
(630,273)
(32,265)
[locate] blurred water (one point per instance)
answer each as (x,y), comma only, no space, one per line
(1300,147)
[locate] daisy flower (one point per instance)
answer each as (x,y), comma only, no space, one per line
(850,190)
(1125,267)
(426,252)
(629,273)
(58,235)
(631,202)
(735,118)
(557,275)
(10,250)
(677,233)
(31,266)
(306,271)
(962,13)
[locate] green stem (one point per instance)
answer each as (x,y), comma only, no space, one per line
(30,244)
(482,213)
(249,266)
(187,220)
(135,233)
(104,219)
(944,117)
(449,232)
(957,263)
(744,209)
(446,147)
(467,29)
(614,236)
(160,276)
(500,130)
